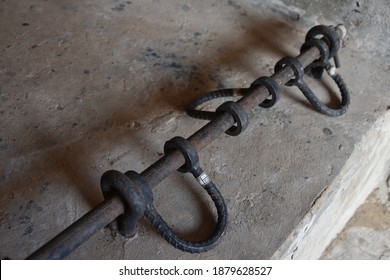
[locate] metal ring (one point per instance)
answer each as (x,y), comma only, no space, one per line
(317,68)
(320,45)
(239,115)
(220,93)
(138,181)
(272,87)
(296,66)
(187,150)
(329,33)
(134,195)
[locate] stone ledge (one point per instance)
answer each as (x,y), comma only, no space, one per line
(366,169)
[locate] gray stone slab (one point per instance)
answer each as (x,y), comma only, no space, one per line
(367,234)
(88,86)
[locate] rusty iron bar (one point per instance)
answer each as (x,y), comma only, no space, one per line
(81,230)
(108,210)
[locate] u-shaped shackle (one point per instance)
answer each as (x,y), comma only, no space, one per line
(138,199)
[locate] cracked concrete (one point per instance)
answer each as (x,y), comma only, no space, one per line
(88,86)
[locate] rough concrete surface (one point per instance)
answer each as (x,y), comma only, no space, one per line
(367,234)
(367,21)
(87,86)
(366,168)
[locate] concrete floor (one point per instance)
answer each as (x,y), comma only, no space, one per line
(88,86)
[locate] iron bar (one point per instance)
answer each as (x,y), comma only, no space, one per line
(108,210)
(81,230)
